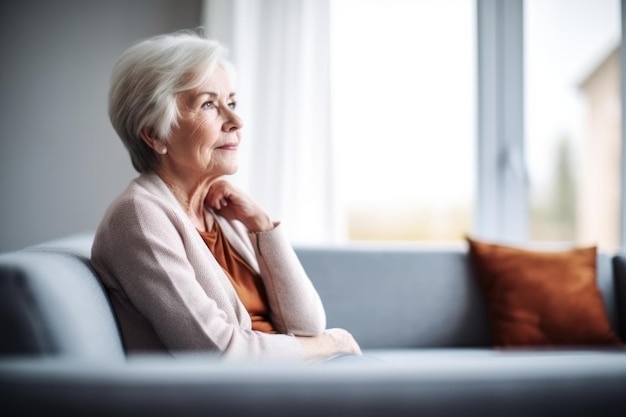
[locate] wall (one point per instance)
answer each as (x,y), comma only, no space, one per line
(61,163)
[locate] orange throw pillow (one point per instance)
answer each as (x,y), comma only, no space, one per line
(541,298)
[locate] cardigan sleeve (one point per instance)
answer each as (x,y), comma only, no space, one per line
(295,304)
(141,248)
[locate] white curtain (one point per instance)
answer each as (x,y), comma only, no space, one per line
(281,49)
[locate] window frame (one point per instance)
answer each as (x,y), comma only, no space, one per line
(502,178)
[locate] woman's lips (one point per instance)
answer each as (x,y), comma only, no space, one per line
(229,147)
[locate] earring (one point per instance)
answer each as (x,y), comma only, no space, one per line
(163,151)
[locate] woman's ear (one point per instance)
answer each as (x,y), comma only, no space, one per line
(150,139)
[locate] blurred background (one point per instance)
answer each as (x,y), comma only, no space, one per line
(361,115)
(61,163)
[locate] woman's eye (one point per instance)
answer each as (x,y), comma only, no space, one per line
(232,105)
(208,105)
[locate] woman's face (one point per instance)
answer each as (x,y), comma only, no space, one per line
(206,139)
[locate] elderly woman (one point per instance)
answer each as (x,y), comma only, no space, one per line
(190,262)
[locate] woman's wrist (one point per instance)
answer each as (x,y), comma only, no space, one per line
(331,343)
(258,224)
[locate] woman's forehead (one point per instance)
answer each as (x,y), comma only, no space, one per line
(217,83)
(215,87)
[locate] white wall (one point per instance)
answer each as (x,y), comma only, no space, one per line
(61,163)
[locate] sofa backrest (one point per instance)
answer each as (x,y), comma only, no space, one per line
(410,296)
(52,303)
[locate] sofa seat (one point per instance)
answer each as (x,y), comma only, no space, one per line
(424,382)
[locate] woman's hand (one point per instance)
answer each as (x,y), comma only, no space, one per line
(331,343)
(233,204)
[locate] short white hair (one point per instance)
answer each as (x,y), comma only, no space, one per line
(146,80)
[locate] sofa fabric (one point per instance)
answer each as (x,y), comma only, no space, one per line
(619,267)
(389,297)
(417,312)
(429,382)
(52,303)
(407,297)
(397,297)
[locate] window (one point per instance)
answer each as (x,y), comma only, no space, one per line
(403,85)
(572,120)
(403,93)
(495,118)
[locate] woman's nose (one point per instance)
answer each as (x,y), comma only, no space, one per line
(232,122)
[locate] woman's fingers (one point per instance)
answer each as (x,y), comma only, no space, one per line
(219,195)
(232,203)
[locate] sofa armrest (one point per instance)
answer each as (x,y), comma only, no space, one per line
(619,282)
(52,303)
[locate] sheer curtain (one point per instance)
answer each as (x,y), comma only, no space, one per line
(281,49)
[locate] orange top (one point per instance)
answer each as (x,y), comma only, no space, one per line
(247,283)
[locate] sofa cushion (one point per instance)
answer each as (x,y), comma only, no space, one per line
(399,296)
(52,303)
(542,298)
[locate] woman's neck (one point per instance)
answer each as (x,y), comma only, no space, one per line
(190,194)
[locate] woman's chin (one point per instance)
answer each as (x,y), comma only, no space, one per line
(231,169)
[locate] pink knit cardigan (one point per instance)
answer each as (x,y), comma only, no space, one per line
(169,292)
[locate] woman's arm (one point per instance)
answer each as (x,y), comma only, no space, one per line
(145,252)
(295,305)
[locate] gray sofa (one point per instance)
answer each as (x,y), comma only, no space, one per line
(417,313)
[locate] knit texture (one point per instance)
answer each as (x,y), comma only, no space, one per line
(169,293)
